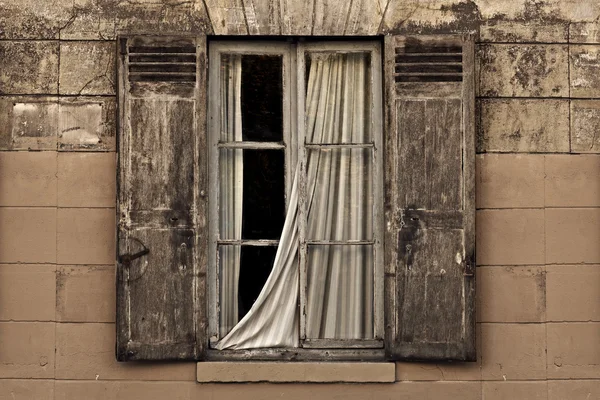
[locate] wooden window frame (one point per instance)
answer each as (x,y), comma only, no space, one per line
(293,115)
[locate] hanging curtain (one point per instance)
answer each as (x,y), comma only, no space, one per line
(339,204)
(231,180)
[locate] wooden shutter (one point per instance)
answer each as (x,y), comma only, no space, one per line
(430,199)
(161,198)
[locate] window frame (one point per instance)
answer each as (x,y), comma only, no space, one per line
(293,55)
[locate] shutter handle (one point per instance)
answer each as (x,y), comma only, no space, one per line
(126,259)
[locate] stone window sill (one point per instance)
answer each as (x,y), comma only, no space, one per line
(358,372)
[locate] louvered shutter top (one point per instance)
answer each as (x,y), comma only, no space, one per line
(417,61)
(165,65)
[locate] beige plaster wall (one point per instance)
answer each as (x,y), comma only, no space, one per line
(538,194)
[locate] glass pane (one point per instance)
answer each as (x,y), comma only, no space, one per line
(338,98)
(243,271)
(251,98)
(252,194)
(340,194)
(339,298)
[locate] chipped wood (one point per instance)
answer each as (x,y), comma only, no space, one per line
(161,233)
(430,211)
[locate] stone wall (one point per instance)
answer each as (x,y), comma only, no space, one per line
(538,194)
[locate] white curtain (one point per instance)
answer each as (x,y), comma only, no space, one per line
(339,202)
(231,181)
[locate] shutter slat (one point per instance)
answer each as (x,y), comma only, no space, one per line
(430,207)
(160,232)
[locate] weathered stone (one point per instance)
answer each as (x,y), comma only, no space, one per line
(228,17)
(263,17)
(87,68)
(523,70)
(523,126)
(584,32)
(33,19)
(528,31)
(28,67)
(585,126)
(585,71)
(365,16)
(87,124)
(28,123)
(104,19)
(434,16)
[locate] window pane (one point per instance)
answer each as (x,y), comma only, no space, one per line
(338,98)
(243,271)
(251,98)
(252,194)
(340,194)
(339,298)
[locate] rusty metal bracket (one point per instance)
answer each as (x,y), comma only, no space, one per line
(126,259)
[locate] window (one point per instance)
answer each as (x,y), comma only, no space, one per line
(296,217)
(355,153)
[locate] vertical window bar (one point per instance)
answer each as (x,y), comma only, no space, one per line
(302,212)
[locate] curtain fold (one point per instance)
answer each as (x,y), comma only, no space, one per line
(231,181)
(339,204)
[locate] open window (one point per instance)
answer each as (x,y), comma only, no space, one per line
(297,199)
(296,255)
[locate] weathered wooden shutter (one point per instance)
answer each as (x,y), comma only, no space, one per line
(161,198)
(430,200)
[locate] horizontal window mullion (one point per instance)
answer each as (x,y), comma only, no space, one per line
(342,343)
(339,145)
(252,145)
(314,242)
(245,242)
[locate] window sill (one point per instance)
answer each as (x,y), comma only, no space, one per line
(358,372)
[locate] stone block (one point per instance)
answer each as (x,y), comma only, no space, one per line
(87,179)
(530,126)
(27,179)
(509,180)
(295,372)
(87,68)
(86,236)
(118,390)
(87,351)
(572,180)
(585,126)
(572,235)
(87,124)
(574,389)
(515,390)
(513,351)
(27,350)
(511,294)
(27,389)
(434,16)
(584,32)
(585,70)
(572,293)
(524,31)
(510,237)
(85,293)
(29,67)
(28,123)
(33,19)
(27,292)
(573,350)
(519,70)
(28,235)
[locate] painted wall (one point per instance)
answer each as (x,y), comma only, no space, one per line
(538,194)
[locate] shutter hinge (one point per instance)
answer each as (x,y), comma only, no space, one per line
(469,268)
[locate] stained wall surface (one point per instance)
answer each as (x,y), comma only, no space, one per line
(538,194)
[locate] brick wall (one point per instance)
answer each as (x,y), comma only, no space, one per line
(538,199)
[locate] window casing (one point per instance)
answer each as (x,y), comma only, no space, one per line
(297,149)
